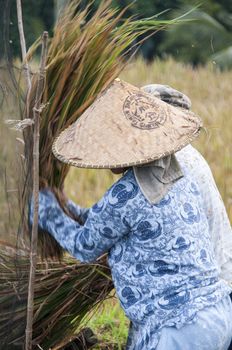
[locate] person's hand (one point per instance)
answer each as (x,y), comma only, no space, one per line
(48,207)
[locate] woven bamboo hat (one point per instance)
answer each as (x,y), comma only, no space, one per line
(124,127)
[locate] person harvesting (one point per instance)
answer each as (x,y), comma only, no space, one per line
(152,222)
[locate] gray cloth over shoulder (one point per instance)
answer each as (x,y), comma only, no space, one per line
(168,95)
(156,178)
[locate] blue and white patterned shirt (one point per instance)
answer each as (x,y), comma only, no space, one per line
(219,226)
(161,255)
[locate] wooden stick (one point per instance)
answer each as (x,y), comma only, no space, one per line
(23,43)
(34,235)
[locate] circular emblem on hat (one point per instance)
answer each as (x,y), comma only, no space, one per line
(144,112)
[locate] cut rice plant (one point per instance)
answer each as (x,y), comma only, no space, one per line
(65,292)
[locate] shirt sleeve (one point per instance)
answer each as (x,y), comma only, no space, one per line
(78,211)
(105,225)
(218,221)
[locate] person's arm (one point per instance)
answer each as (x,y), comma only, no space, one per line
(105,225)
(77,210)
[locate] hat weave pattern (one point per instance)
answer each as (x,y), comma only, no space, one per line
(125,127)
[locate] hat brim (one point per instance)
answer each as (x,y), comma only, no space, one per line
(125,127)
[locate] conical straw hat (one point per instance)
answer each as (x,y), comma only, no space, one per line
(123,127)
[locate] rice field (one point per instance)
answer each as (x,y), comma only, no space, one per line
(210,92)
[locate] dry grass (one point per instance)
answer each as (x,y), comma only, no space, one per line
(210,92)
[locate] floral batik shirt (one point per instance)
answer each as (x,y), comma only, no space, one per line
(161,255)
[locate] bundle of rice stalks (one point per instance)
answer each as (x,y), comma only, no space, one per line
(85,56)
(64,294)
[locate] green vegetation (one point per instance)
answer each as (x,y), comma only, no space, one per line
(208,37)
(204,39)
(110,325)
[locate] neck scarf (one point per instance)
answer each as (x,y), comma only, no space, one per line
(156,178)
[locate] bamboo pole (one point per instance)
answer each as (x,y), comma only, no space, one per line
(34,235)
(23,43)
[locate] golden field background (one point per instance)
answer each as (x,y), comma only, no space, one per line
(211,95)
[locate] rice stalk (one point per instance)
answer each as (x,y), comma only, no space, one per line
(65,292)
